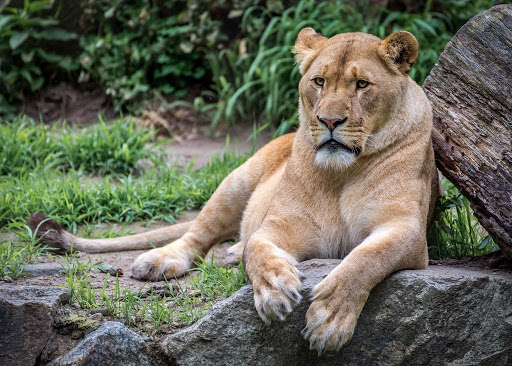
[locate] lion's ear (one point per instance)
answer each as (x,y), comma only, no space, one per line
(308,42)
(401,50)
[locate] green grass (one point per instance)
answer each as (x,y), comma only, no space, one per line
(183,304)
(456,232)
(216,282)
(45,169)
(116,147)
(159,194)
(16,254)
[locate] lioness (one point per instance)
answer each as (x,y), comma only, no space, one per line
(356,181)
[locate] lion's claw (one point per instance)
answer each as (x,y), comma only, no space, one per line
(332,316)
(277,291)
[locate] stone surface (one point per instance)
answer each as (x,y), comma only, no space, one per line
(26,319)
(471,94)
(112,344)
(441,315)
(44,269)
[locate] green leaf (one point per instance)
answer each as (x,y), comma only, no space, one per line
(17,39)
(26,75)
(27,56)
(49,56)
(485,242)
(167,88)
(110,12)
(67,63)
(43,22)
(165,71)
(4,19)
(56,34)
(36,6)
(426,27)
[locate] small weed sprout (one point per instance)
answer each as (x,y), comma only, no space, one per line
(16,255)
(181,304)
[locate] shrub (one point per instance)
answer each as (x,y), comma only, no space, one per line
(23,62)
(141,46)
(256,79)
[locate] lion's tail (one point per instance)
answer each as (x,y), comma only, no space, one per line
(52,234)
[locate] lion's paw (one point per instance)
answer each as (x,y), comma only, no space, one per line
(160,263)
(332,316)
(277,287)
(235,253)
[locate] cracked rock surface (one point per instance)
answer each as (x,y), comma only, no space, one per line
(112,344)
(26,321)
(440,315)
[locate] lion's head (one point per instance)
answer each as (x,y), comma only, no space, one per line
(351,86)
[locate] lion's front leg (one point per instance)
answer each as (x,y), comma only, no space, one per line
(332,316)
(275,279)
(339,299)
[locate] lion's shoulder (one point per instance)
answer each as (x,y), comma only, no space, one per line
(276,153)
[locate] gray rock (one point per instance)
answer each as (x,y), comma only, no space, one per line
(441,315)
(112,344)
(7,279)
(44,269)
(26,319)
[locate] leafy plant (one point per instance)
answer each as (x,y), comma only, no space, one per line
(456,233)
(23,62)
(141,46)
(15,256)
(216,282)
(115,147)
(256,79)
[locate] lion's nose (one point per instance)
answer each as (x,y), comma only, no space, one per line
(331,123)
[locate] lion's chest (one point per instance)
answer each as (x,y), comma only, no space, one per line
(324,223)
(341,225)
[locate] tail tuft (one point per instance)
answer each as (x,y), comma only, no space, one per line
(47,229)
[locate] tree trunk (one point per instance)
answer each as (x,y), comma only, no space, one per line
(471,94)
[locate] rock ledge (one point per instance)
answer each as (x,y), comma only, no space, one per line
(438,315)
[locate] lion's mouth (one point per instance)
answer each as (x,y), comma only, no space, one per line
(334,145)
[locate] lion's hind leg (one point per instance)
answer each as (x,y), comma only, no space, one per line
(218,221)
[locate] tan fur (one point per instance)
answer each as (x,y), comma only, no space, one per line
(367,202)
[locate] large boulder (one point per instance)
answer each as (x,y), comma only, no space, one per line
(112,344)
(26,320)
(471,94)
(435,316)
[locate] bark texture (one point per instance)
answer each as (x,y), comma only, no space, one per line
(471,94)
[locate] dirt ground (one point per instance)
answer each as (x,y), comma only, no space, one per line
(67,102)
(116,261)
(201,147)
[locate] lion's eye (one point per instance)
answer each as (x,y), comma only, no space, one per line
(361,84)
(319,81)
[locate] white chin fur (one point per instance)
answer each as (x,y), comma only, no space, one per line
(334,160)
